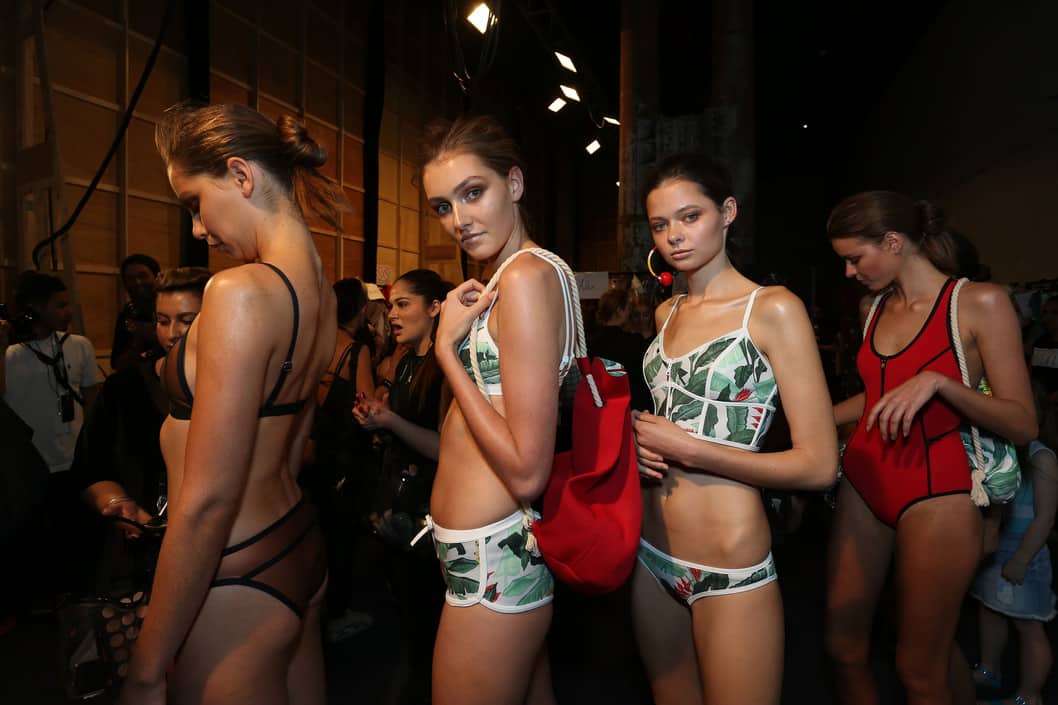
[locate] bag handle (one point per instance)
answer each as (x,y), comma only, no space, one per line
(977,492)
(580,346)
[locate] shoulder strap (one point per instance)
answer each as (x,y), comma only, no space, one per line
(574,320)
(977,491)
(870,314)
(749,306)
(288,363)
(672,312)
(345,356)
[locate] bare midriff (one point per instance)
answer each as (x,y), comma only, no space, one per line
(467,492)
(706,519)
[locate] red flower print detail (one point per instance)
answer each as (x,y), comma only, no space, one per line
(696,573)
(682,587)
(743,395)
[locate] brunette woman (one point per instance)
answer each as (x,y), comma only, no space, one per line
(706,604)
(497,447)
(905,497)
(234,614)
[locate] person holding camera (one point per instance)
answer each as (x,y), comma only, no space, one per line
(134,330)
(49,379)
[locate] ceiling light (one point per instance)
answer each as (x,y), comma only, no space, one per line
(593,147)
(556,105)
(804,126)
(570,93)
(481,17)
(612,121)
(618,184)
(565,62)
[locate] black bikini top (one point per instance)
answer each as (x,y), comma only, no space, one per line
(174,379)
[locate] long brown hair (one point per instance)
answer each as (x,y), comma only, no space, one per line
(872,214)
(431,287)
(201,139)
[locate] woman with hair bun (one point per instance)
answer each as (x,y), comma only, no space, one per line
(234,614)
(905,496)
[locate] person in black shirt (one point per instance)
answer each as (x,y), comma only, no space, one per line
(117,459)
(134,330)
(411,417)
(611,341)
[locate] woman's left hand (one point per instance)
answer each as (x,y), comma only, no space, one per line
(895,411)
(1014,570)
(658,436)
(460,308)
(373,414)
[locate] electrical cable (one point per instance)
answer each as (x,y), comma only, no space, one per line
(126,119)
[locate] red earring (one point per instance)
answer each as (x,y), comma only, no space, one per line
(665,277)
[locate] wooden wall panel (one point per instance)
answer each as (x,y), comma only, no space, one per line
(246,9)
(168,82)
(95,235)
(146,170)
(388,232)
(325,41)
(85,133)
(235,54)
(388,178)
(388,265)
(408,262)
(409,185)
(84,51)
(222,90)
(353,220)
(100,294)
(154,229)
(352,259)
(353,166)
(282,20)
(146,18)
(327,246)
(409,230)
(321,94)
(272,109)
(277,70)
(354,110)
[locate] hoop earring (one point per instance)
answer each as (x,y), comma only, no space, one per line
(665,277)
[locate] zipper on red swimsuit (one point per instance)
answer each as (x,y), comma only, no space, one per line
(884,360)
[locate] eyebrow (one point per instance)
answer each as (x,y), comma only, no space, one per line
(679,211)
(459,187)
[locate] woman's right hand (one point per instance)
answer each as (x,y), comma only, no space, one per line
(458,312)
(127,509)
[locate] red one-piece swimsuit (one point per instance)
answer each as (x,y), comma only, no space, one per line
(931,461)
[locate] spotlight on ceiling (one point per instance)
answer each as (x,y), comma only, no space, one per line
(565,62)
(612,121)
(556,105)
(481,17)
(593,147)
(570,93)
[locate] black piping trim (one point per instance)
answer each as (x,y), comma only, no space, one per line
(263,587)
(263,532)
(925,325)
(853,486)
(932,496)
(934,439)
(933,359)
(281,555)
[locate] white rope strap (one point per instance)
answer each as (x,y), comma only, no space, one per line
(870,314)
(977,492)
(579,343)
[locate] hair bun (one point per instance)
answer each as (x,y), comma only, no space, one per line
(303,150)
(931,220)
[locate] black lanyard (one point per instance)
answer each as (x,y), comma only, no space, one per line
(58,367)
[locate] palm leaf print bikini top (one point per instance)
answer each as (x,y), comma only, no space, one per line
(722,391)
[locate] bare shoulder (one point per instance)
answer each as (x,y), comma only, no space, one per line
(238,290)
(985,298)
(531,275)
(663,310)
(777,306)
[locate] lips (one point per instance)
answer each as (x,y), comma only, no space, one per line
(395,329)
(679,254)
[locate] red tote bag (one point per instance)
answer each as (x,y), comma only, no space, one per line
(592,513)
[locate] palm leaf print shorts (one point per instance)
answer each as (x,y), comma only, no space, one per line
(498,566)
(688,582)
